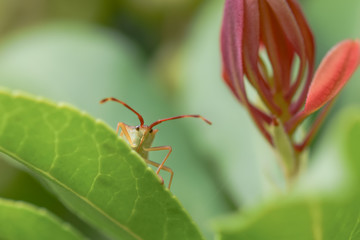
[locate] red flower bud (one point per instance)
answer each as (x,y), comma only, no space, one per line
(262,42)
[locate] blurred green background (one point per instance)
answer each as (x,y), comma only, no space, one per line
(162,58)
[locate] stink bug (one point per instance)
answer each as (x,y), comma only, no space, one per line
(141,137)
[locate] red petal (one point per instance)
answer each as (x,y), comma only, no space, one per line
(291,22)
(333,73)
(251,36)
(232,32)
(305,31)
(251,44)
(229,83)
(231,46)
(310,56)
(288,23)
(277,46)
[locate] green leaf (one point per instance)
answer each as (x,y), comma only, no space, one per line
(57,60)
(94,173)
(312,213)
(20,220)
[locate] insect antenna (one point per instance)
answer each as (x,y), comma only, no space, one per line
(127,106)
(177,117)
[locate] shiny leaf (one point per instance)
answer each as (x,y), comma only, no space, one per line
(93,172)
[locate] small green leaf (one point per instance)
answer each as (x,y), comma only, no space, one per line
(20,220)
(95,173)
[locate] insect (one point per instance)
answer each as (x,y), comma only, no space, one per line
(141,137)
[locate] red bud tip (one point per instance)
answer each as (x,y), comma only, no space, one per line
(333,73)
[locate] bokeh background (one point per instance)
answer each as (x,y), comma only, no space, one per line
(162,58)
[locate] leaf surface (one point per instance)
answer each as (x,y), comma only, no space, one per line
(57,60)
(20,220)
(94,173)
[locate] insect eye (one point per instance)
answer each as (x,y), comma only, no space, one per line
(137,128)
(151,130)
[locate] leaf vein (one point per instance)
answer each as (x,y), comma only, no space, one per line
(98,168)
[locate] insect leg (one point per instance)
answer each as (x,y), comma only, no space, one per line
(161,166)
(165,168)
(125,132)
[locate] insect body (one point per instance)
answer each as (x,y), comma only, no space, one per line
(140,137)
